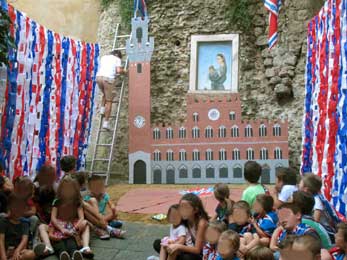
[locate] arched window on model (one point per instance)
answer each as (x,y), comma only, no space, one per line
(196,155)
(232,116)
(222,132)
(156,133)
(182,155)
(262,130)
(250,154)
(210,171)
(264,154)
(182,133)
(208,132)
(209,155)
(223,171)
(222,154)
(276,130)
(183,172)
(248,131)
(169,133)
(196,172)
(236,154)
(237,171)
(169,155)
(195,132)
(235,131)
(196,117)
(157,155)
(278,153)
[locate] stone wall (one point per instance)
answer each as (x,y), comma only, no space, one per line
(271,83)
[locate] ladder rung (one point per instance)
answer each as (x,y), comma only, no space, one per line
(100,173)
(101,160)
(119,49)
(104,144)
(123,36)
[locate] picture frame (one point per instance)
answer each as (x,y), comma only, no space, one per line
(214,63)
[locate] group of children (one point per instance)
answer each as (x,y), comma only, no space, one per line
(42,217)
(296,222)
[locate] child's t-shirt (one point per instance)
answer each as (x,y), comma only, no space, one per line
(268,223)
(324,218)
(251,192)
(234,258)
(287,192)
(102,203)
(13,232)
(177,232)
(300,230)
(242,229)
(221,212)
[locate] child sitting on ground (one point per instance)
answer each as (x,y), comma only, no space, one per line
(322,210)
(24,188)
(68,226)
(68,164)
(265,221)
(289,217)
(100,202)
(285,186)
(260,253)
(14,233)
(340,251)
(301,247)
(178,232)
(6,188)
(240,222)
(228,245)
(213,232)
(252,175)
(222,193)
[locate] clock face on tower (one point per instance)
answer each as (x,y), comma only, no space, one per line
(213,114)
(139,121)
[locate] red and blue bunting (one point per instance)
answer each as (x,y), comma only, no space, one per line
(49,97)
(325,113)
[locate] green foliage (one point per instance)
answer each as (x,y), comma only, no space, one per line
(125,9)
(6,41)
(238,13)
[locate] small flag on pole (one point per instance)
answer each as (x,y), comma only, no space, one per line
(273,6)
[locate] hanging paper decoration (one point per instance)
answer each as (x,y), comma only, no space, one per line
(325,112)
(49,97)
(273,6)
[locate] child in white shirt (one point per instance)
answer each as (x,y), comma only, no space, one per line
(178,231)
(286,181)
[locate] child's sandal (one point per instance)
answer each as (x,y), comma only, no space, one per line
(87,252)
(117,233)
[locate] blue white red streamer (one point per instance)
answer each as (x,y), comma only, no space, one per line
(49,97)
(325,112)
(201,192)
(273,6)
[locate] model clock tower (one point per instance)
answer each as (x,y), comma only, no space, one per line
(139,50)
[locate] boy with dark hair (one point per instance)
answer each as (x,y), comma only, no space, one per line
(286,181)
(305,202)
(323,212)
(339,253)
(14,233)
(290,220)
(68,164)
(252,175)
(301,247)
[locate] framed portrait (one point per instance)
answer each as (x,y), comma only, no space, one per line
(214,63)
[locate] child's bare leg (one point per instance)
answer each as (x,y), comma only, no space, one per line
(163,253)
(108,217)
(86,236)
(91,206)
(43,230)
(27,255)
(248,238)
(95,220)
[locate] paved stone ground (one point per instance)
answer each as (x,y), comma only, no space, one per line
(136,246)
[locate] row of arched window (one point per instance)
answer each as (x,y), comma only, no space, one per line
(222,155)
(222,132)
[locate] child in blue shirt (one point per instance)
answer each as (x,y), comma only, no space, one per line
(265,218)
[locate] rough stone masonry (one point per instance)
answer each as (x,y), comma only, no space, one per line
(271,83)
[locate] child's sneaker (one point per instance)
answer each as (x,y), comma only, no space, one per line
(102,111)
(117,233)
(153,257)
(106,125)
(77,255)
(64,256)
(39,250)
(102,234)
(115,224)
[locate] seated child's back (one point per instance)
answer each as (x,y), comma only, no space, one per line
(252,175)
